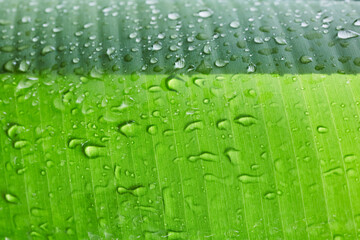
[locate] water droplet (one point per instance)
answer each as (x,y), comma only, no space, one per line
(233,155)
(258,40)
(349,158)
(47,49)
(280,40)
(7,48)
(201,36)
(88,25)
(94,151)
(157,46)
(245,120)
(24,66)
(347,34)
(179,63)
(4,22)
(26,83)
(10,66)
(250,93)
(128,129)
(75,142)
(205,13)
(21,171)
(10,198)
(152,129)
(246,178)
(328,19)
(357,61)
(205,156)
(195,125)
(37,212)
(241,44)
(356,22)
(204,67)
(139,191)
(306,59)
(322,129)
(207,49)
(270,195)
(221,63)
(173,16)
(223,124)
(57,29)
(234,24)
(70,231)
(251,68)
(20,144)
(338,237)
(334,171)
(76,60)
(136,190)
(117,172)
(15,130)
(173,83)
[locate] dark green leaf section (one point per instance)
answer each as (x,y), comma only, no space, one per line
(184,157)
(162,36)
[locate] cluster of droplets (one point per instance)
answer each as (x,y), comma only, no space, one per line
(240,41)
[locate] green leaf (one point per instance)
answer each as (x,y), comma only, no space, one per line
(179,120)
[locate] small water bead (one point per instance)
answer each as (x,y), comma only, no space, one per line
(204,156)
(173,16)
(251,68)
(7,48)
(205,13)
(10,198)
(15,130)
(207,49)
(136,191)
(347,34)
(128,129)
(258,40)
(173,83)
(180,63)
(47,49)
(221,63)
(153,60)
(270,195)
(57,29)
(152,129)
(356,22)
(201,36)
(349,158)
(245,120)
(234,24)
(157,46)
(280,40)
(93,151)
(88,25)
(20,144)
(246,178)
(10,66)
(306,59)
(24,66)
(195,125)
(110,51)
(223,124)
(322,129)
(328,19)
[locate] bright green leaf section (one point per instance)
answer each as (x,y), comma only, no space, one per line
(181,157)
